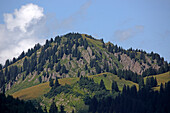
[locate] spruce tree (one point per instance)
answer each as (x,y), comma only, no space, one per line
(62,109)
(58,67)
(114,86)
(155,82)
(85,44)
(1,66)
(40,79)
(51,84)
(53,108)
(45,109)
(56,83)
(102,84)
(78,73)
(161,89)
(63,69)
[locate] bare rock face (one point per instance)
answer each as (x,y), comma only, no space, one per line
(135,66)
(69,57)
(82,73)
(80,62)
(110,64)
(130,64)
(64,56)
(92,71)
(73,64)
(32,77)
(9,85)
(68,65)
(86,55)
(154,66)
(105,53)
(89,51)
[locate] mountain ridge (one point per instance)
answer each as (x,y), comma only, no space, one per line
(77,55)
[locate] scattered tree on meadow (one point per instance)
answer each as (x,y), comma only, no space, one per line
(51,83)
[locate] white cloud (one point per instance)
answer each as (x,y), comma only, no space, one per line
(123,35)
(21,31)
(26,26)
(22,18)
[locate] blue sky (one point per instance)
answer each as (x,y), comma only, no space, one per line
(143,24)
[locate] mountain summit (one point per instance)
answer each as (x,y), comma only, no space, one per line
(76,55)
(90,76)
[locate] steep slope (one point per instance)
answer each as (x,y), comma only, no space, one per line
(76,55)
(161,78)
(74,99)
(41,89)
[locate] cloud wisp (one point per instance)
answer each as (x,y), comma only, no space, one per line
(21,31)
(123,35)
(69,22)
(29,25)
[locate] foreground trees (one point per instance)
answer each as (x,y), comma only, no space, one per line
(132,101)
(10,105)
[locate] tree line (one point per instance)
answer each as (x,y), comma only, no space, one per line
(132,101)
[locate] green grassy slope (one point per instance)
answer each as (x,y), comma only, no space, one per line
(71,100)
(161,78)
(40,89)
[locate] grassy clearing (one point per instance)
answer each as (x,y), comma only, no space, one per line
(161,78)
(23,84)
(70,102)
(40,89)
(110,77)
(32,92)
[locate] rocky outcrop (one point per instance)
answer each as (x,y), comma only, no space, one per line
(89,51)
(86,55)
(131,64)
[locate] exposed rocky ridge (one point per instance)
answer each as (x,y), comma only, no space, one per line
(90,49)
(135,66)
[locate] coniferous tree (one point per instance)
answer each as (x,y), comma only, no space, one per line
(51,84)
(40,79)
(81,41)
(45,109)
(53,108)
(85,43)
(155,82)
(63,69)
(62,109)
(58,67)
(102,84)
(98,68)
(3,89)
(110,48)
(56,83)
(39,110)
(118,57)
(0,66)
(141,82)
(78,55)
(93,105)
(114,86)
(7,63)
(86,68)
(78,73)
(72,111)
(161,89)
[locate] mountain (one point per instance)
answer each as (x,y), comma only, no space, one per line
(71,58)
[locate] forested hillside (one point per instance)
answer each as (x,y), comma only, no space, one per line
(97,75)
